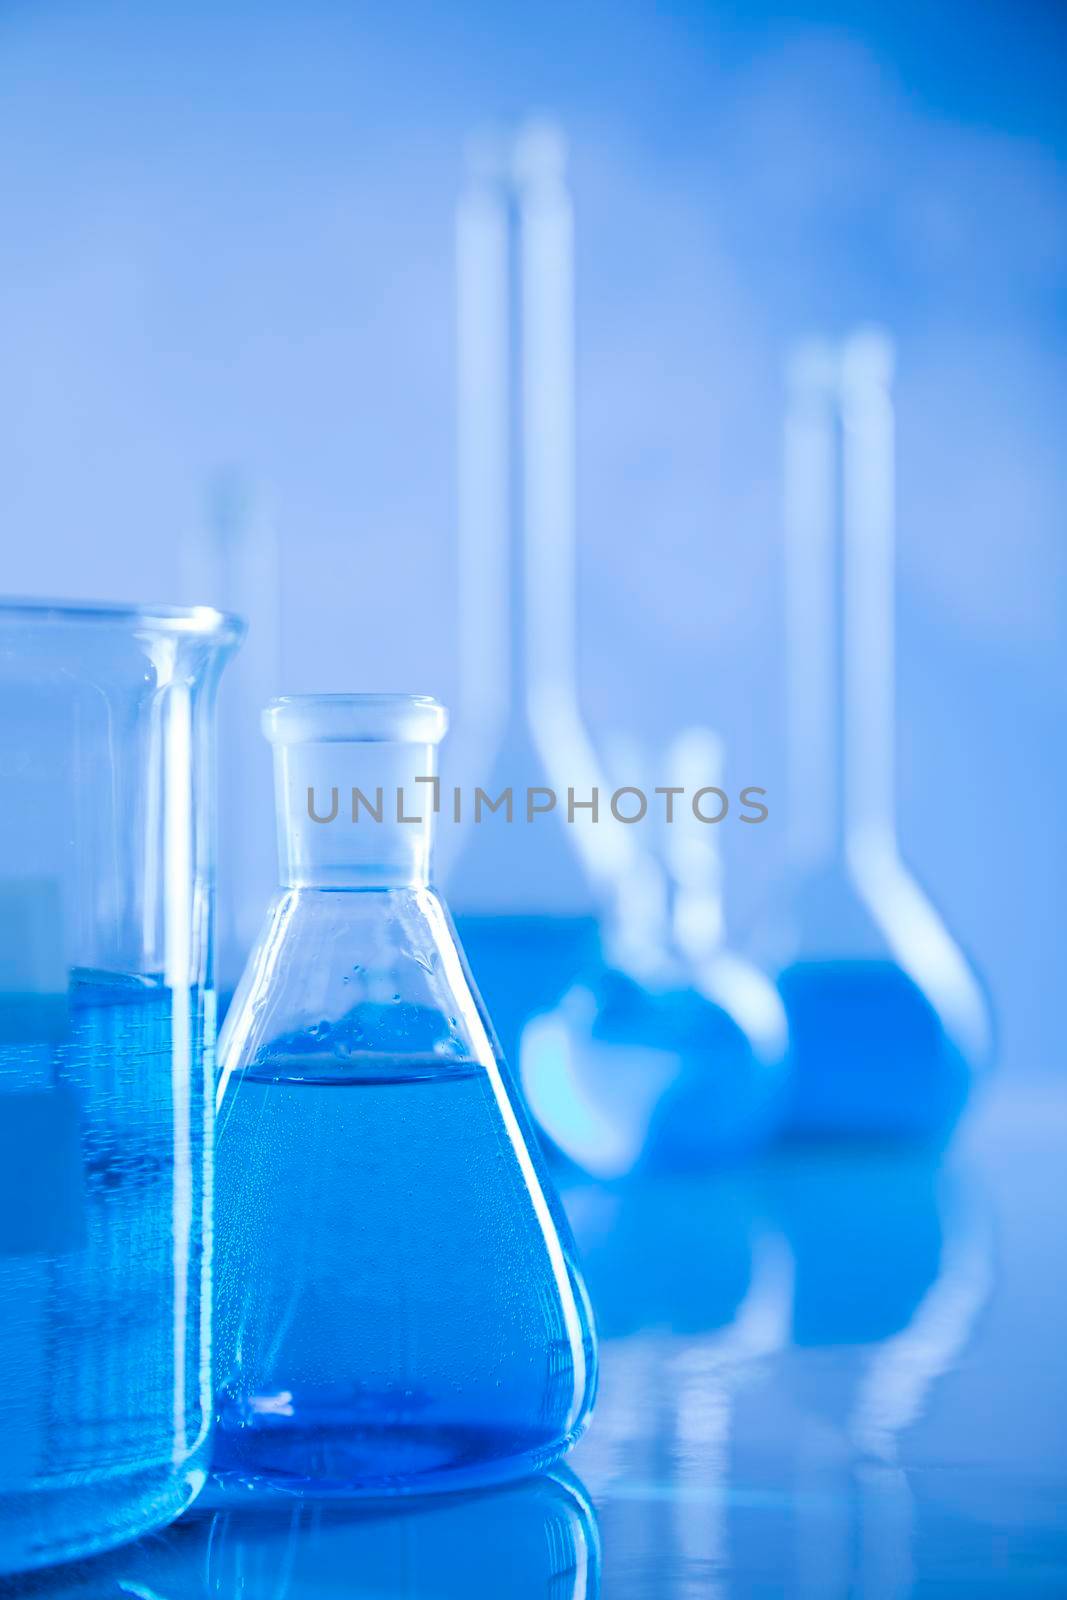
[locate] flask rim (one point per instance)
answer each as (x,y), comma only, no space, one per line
(355,719)
(198,621)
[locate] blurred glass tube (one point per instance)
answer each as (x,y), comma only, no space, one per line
(232,559)
(887,1020)
(483,357)
(518,700)
(699,933)
(546,232)
(812,739)
(525,896)
(669,1055)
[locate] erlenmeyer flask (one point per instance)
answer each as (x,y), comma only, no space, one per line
(887,1020)
(398,1306)
(670,1054)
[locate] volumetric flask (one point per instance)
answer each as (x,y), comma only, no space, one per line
(107,1027)
(398,1306)
(670,1053)
(527,913)
(887,1020)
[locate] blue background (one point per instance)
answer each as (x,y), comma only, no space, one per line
(227,244)
(228,241)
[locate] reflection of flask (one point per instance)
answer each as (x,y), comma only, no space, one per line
(671,1054)
(893,1267)
(526,894)
(887,1021)
(533,1539)
(689,1328)
(397,1303)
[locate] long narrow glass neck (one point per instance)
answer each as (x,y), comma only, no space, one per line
(869,717)
(516,470)
(518,576)
(355,815)
(839,583)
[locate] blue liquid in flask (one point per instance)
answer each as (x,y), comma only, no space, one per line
(398,1308)
(888,1023)
(633,1075)
(102,1196)
(870,1054)
(671,1054)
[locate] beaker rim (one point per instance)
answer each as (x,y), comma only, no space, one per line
(355,718)
(202,621)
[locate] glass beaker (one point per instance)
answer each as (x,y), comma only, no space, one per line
(887,1020)
(398,1307)
(106,1068)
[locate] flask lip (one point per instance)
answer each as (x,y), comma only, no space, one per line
(199,621)
(355,719)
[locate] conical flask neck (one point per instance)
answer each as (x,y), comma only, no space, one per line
(356,790)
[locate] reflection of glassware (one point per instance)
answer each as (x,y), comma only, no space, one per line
(526,897)
(672,1054)
(398,1305)
(887,1021)
(690,1325)
(536,1538)
(893,1268)
(697,1286)
(106,1051)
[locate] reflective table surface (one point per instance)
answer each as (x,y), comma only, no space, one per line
(840,1373)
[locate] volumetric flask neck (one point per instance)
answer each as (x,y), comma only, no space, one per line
(839,573)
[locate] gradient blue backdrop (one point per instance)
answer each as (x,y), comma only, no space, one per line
(227,238)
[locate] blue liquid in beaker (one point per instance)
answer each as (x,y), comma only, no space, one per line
(392,1306)
(103,1415)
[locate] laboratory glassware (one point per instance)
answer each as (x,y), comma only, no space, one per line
(398,1306)
(231,557)
(526,900)
(888,1022)
(107,1032)
(669,1053)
